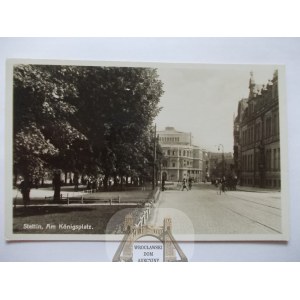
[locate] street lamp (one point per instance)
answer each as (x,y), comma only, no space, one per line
(154,159)
(223,160)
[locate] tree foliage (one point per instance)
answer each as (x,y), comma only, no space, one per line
(116,113)
(91,119)
(42,114)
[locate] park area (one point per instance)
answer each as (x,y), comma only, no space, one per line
(82,213)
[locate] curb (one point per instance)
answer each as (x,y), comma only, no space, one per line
(256,191)
(156,195)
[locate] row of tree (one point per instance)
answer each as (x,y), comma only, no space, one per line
(84,119)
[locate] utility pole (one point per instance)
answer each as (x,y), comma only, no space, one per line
(223,159)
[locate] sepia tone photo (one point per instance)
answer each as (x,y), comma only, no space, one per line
(105,150)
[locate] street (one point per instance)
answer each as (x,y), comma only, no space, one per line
(208,212)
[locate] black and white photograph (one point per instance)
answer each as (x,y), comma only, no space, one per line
(101,150)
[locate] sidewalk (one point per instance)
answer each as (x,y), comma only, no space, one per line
(256,189)
(40,194)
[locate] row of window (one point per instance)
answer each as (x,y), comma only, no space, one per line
(187,153)
(173,164)
(272,161)
(247,162)
(273,182)
(169,139)
(195,172)
(254,133)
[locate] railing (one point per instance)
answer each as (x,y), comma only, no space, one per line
(144,217)
(83,200)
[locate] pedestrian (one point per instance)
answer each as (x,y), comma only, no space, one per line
(218,186)
(190,182)
(163,184)
(216,182)
(184,184)
(235,183)
(223,185)
(25,187)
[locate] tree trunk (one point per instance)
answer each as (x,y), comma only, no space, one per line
(56,186)
(25,189)
(115,182)
(122,179)
(105,180)
(15,178)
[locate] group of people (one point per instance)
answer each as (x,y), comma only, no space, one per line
(221,185)
(94,183)
(187,184)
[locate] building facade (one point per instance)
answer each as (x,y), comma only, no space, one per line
(182,159)
(257,136)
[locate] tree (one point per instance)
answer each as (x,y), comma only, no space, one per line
(116,108)
(84,119)
(42,110)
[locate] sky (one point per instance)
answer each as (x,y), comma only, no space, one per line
(203,99)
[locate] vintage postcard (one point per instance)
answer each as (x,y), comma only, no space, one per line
(118,151)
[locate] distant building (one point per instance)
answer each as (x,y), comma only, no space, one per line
(257,136)
(182,158)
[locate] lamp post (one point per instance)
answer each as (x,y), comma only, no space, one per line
(157,160)
(154,159)
(223,160)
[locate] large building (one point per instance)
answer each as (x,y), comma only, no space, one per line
(182,159)
(257,136)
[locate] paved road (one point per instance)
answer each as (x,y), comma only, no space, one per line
(235,212)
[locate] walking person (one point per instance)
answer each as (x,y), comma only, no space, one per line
(190,183)
(163,182)
(218,185)
(223,185)
(184,186)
